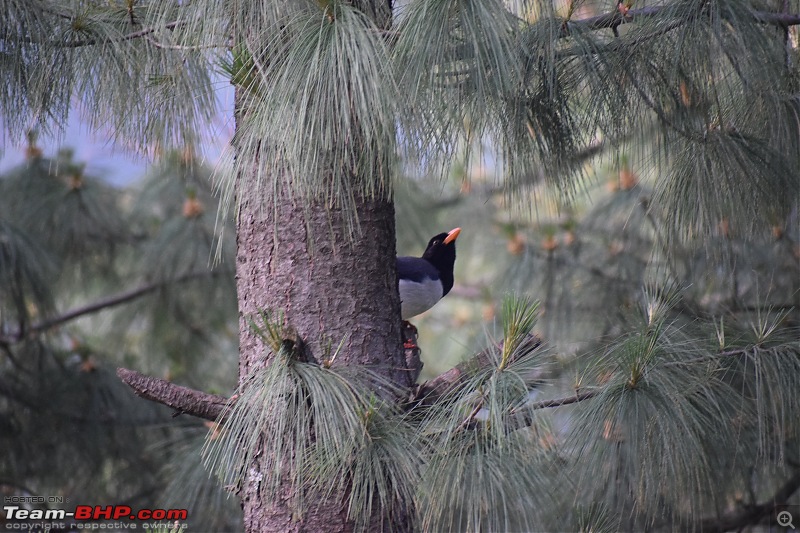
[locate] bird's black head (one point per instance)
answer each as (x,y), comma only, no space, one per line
(441,253)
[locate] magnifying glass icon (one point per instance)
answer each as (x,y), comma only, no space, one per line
(785,519)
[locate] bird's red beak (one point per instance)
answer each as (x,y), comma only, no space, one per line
(453,235)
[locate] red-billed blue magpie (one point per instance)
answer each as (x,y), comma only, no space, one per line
(423,281)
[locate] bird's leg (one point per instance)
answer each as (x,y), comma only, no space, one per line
(409,335)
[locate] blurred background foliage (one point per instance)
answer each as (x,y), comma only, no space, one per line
(587,261)
(98,277)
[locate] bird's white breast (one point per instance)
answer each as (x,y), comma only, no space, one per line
(418,297)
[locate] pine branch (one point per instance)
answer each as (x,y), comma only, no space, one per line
(432,390)
(752,515)
(182,399)
(526,419)
(211,406)
(579,396)
(611,20)
(783,20)
(111,301)
(617,18)
(605,21)
(144,32)
(128,37)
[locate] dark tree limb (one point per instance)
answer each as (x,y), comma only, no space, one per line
(182,399)
(210,406)
(111,301)
(751,515)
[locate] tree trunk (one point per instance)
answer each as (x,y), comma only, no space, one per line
(299,259)
(329,290)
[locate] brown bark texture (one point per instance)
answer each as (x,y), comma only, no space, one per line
(182,399)
(297,258)
(301,262)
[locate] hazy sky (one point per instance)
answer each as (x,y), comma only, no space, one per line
(117,164)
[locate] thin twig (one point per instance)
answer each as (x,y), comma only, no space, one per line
(527,419)
(471,416)
(708,357)
(579,396)
(93,41)
(192,48)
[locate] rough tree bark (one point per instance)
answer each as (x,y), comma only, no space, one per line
(327,289)
(299,259)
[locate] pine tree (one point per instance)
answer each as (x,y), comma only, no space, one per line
(659,392)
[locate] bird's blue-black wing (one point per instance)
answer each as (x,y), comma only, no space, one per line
(415,269)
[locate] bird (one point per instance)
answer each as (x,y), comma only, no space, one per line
(423,281)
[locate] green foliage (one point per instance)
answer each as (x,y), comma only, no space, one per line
(72,214)
(654,426)
(457,61)
(187,482)
(122,65)
(319,105)
(328,432)
(727,176)
(323,428)
(24,272)
(484,472)
(518,319)
(474,484)
(86,288)
(673,425)
(381,469)
(63,412)
(761,362)
(329,94)
(668,401)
